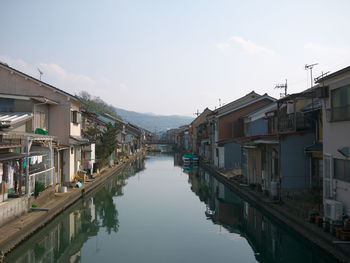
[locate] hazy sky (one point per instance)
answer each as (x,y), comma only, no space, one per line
(174,57)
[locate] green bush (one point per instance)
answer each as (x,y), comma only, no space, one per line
(39,187)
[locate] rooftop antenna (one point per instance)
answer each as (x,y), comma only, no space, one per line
(219,102)
(282,86)
(40,72)
(321,76)
(309,67)
(197,113)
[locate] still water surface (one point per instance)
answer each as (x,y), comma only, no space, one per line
(155,211)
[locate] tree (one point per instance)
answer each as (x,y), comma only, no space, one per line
(96,104)
(107,143)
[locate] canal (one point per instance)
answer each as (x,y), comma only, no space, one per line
(155,211)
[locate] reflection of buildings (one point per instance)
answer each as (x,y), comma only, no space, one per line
(269,240)
(63,238)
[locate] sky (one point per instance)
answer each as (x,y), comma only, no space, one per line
(175,57)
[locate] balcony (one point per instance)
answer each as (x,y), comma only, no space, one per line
(293,122)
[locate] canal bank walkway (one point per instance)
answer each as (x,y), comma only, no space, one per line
(16,231)
(309,231)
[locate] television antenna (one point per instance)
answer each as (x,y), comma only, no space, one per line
(282,86)
(309,67)
(40,73)
(321,76)
(197,113)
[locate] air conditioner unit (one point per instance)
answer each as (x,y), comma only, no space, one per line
(333,210)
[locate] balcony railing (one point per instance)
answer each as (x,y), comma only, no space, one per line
(292,122)
(46,177)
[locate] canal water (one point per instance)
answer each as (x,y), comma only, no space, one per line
(155,211)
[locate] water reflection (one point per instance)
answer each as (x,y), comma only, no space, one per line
(64,237)
(270,241)
(179,228)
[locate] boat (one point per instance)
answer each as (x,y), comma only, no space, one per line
(190,159)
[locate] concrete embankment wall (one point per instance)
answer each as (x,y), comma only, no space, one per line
(12,208)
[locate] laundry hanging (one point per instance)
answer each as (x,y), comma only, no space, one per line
(10,173)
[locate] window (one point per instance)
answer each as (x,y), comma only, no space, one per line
(341,104)
(247,129)
(342,170)
(76,117)
(6,105)
(40,120)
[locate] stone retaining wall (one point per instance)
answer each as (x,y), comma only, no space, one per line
(13,208)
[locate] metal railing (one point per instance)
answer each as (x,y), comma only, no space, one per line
(46,177)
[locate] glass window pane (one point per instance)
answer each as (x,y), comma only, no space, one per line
(341,103)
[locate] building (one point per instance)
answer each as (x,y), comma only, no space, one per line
(55,104)
(334,90)
(196,131)
(230,127)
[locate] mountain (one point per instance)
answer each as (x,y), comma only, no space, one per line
(153,122)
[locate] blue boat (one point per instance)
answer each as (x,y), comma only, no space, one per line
(190,159)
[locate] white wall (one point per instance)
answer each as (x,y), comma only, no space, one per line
(75,128)
(336,135)
(71,163)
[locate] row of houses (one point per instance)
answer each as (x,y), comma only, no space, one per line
(289,146)
(45,135)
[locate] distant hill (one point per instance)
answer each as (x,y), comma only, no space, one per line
(153,122)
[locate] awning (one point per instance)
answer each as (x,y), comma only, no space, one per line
(8,119)
(11,156)
(77,140)
(316,104)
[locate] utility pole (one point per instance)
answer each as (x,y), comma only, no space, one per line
(282,86)
(309,67)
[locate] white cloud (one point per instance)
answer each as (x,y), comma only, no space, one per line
(123,86)
(60,75)
(252,48)
(54,75)
(20,65)
(222,45)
